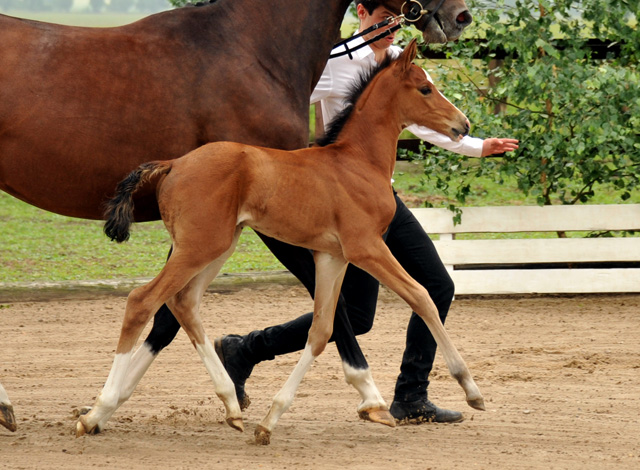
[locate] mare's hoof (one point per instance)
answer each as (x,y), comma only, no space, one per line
(236,423)
(263,435)
(478,404)
(378,415)
(7,418)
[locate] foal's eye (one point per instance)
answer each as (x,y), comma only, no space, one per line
(425,91)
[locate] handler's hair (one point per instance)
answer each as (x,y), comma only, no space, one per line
(369,5)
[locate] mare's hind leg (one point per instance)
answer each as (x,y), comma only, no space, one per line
(374,256)
(7,418)
(141,304)
(329,275)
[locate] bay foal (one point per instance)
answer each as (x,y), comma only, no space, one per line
(336,200)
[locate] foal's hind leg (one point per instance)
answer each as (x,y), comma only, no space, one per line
(329,274)
(185,306)
(141,304)
(140,363)
(144,355)
(165,328)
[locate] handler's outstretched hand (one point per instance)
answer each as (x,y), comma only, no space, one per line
(494,145)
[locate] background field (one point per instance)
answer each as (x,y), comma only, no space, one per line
(79,19)
(41,246)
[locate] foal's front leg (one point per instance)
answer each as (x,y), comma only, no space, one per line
(374,256)
(329,275)
(356,369)
(357,372)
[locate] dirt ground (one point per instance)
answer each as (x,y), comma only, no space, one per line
(560,376)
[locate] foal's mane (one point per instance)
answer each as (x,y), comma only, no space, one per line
(357,87)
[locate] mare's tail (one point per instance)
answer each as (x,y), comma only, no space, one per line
(119,209)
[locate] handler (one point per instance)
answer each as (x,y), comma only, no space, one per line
(406,239)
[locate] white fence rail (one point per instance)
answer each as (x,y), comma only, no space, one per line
(539,265)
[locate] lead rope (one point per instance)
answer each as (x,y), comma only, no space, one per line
(383,34)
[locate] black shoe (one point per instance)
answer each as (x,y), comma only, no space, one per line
(422,411)
(229,350)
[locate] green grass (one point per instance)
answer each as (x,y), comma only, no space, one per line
(41,246)
(102,20)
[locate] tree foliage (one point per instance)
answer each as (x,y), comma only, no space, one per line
(577,117)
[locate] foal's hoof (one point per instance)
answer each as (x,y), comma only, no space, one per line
(263,435)
(236,423)
(378,415)
(7,418)
(81,430)
(82,427)
(477,403)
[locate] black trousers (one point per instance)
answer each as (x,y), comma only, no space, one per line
(413,248)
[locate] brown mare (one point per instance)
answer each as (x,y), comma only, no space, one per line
(299,197)
(82,107)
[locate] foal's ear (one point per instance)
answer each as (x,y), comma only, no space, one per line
(408,55)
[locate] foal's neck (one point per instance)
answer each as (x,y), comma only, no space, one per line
(371,134)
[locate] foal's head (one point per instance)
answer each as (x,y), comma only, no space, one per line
(417,100)
(400,91)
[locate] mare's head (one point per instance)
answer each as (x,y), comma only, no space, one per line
(445,25)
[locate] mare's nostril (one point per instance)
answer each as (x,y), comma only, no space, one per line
(464,19)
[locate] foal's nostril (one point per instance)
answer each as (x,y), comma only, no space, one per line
(464,19)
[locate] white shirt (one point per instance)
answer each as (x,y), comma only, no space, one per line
(335,84)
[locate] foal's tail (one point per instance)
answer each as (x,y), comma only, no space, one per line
(119,209)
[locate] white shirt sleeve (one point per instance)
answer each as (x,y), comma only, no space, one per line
(469,146)
(324,86)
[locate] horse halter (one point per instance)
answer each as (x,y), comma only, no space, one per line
(414,13)
(417,10)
